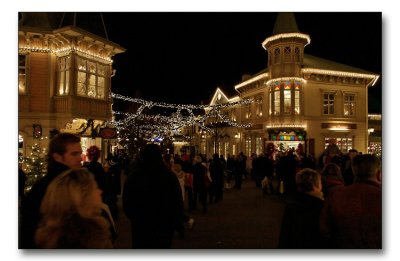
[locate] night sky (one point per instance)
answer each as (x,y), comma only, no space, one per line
(182,57)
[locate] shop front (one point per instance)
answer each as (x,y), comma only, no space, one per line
(286,139)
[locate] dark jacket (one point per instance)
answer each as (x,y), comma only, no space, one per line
(199,176)
(300,223)
(152,200)
(30,205)
(352,216)
(102,178)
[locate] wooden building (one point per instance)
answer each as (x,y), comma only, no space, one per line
(64,80)
(298,98)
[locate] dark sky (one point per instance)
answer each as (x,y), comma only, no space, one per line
(182,57)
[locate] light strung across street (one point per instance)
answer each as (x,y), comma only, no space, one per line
(156,125)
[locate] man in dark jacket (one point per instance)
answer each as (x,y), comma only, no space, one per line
(300,220)
(352,216)
(65,152)
(152,200)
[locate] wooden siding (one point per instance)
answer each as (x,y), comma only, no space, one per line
(38,83)
(81,107)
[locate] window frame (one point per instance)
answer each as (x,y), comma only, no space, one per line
(66,73)
(88,82)
(22,91)
(346,103)
(330,103)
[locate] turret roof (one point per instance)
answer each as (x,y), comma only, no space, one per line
(285,23)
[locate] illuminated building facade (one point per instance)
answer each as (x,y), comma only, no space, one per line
(298,98)
(64,81)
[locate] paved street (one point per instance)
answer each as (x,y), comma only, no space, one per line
(245,219)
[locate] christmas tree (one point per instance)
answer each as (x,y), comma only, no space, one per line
(35,166)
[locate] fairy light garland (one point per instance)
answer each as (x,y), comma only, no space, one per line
(162,126)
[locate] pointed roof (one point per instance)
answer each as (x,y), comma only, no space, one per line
(285,23)
(285,27)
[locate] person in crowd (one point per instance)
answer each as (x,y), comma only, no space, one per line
(103,180)
(331,178)
(114,175)
(256,168)
(230,167)
(152,200)
(186,164)
(300,221)
(183,182)
(71,213)
(347,170)
(217,179)
(352,216)
(64,153)
(286,171)
(331,150)
(168,160)
(200,182)
(240,170)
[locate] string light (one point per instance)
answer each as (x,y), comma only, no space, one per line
(147,125)
(288,35)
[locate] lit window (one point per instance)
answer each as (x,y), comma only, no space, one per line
(248,146)
(287,98)
(349,105)
(344,144)
(63,71)
(329,103)
(21,74)
(233,115)
(259,146)
(270,103)
(297,97)
(277,99)
(259,107)
(91,80)
(248,111)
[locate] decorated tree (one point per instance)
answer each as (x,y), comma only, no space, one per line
(35,165)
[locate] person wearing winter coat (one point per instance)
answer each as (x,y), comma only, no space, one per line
(300,221)
(152,200)
(71,214)
(64,153)
(200,183)
(352,216)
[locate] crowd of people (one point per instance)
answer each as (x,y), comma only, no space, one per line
(335,202)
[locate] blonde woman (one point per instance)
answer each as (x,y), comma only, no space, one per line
(71,213)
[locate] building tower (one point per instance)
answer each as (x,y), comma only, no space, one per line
(285,58)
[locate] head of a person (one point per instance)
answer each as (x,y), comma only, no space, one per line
(93,153)
(215,157)
(352,153)
(197,159)
(332,171)
(308,180)
(151,154)
(366,167)
(74,191)
(167,158)
(176,168)
(66,148)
